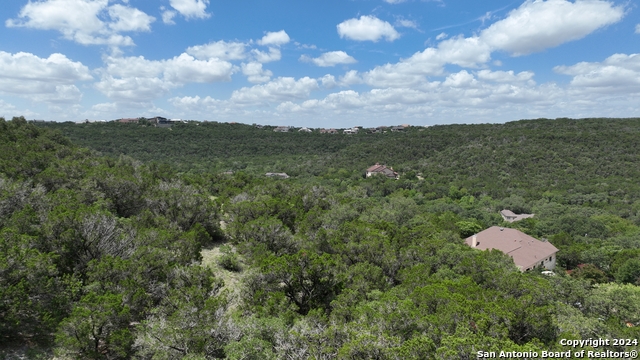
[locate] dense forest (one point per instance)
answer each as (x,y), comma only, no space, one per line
(126,241)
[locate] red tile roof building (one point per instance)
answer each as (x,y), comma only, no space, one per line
(527,252)
(381,169)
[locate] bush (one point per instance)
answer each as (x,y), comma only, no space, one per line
(229,259)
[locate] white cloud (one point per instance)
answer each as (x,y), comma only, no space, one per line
(255,73)
(167,17)
(264,57)
(139,79)
(88,22)
(280,89)
(191,8)
(190,102)
(505,76)
(105,107)
(351,77)
(331,58)
(407,23)
(466,52)
(133,89)
(367,28)
(460,79)
(220,49)
(638,29)
(129,19)
(394,1)
(50,80)
(7,110)
(459,96)
(274,38)
(619,72)
(538,25)
(534,26)
(186,69)
(441,36)
(328,81)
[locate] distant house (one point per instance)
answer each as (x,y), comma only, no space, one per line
(510,216)
(397,128)
(279,175)
(526,251)
(160,121)
(282,129)
(128,120)
(304,129)
(381,169)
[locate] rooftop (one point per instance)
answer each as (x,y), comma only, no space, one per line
(525,250)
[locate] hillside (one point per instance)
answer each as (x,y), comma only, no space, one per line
(120,254)
(527,157)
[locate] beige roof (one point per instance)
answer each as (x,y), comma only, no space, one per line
(510,216)
(525,250)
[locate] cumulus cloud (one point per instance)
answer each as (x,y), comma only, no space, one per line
(534,26)
(139,79)
(88,22)
(460,79)
(220,49)
(280,89)
(167,16)
(367,28)
(407,23)
(331,58)
(255,73)
(460,94)
(191,8)
(129,19)
(538,25)
(7,110)
(328,81)
(196,102)
(264,57)
(274,38)
(619,72)
(468,52)
(50,80)
(505,76)
(351,77)
(638,29)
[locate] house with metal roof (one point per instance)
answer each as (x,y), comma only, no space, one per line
(510,216)
(526,251)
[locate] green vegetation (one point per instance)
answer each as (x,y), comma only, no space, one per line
(145,249)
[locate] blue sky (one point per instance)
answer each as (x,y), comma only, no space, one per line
(320,63)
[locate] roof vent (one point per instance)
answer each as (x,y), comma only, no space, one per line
(501,228)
